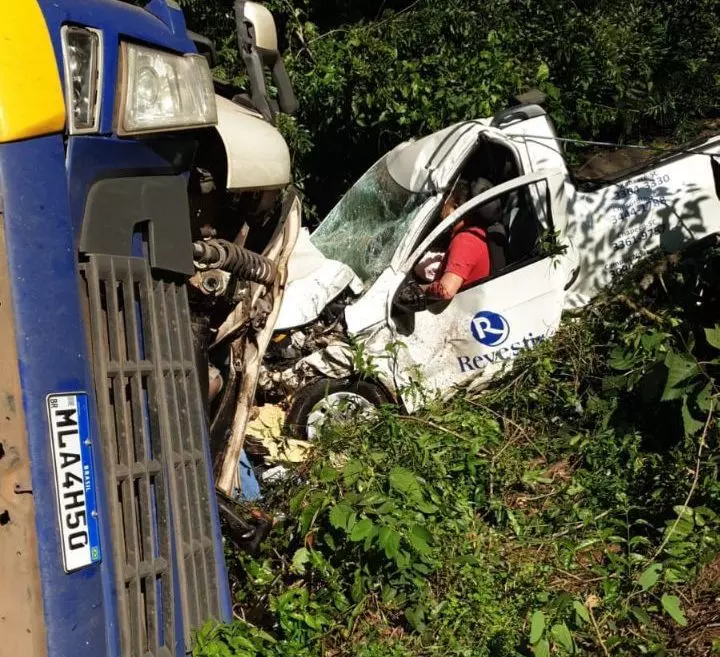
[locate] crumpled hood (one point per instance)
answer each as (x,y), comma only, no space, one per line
(313,282)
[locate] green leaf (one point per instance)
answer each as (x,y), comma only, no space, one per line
(362,530)
(378,457)
(703,515)
(552,91)
(671,604)
(328,474)
(675,575)
(352,521)
(329,540)
(403,560)
(351,471)
(421,532)
(581,611)
(537,626)
(704,398)
(543,72)
(620,361)
(416,617)
(561,635)
(426,507)
(385,508)
(542,648)
(306,519)
(514,523)
(680,368)
(651,341)
(358,588)
(300,558)
(404,481)
(389,540)
(466,559)
(419,537)
(297,500)
(677,530)
(642,616)
(650,576)
(370,538)
(713,336)
(339,516)
(690,424)
(388,594)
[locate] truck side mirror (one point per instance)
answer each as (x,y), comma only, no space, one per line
(257,39)
(205,47)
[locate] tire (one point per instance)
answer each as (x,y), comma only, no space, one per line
(309,403)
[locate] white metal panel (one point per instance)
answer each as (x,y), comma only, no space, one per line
(313,282)
(434,157)
(371,309)
(257,155)
(617,225)
(484,328)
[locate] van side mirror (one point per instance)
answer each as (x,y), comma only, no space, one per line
(205,47)
(258,43)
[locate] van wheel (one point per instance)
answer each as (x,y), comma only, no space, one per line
(338,399)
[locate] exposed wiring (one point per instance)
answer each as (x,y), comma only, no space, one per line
(610,144)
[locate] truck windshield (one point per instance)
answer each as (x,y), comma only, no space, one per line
(366,226)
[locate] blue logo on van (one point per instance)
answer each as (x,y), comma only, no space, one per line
(489,328)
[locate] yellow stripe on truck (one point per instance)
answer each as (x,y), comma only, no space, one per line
(31,97)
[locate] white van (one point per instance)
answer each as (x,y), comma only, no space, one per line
(566,240)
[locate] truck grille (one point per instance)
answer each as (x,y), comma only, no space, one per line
(151,419)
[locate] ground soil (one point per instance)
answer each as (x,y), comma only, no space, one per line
(701,636)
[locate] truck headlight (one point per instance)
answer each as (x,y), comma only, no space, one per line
(161,91)
(82,55)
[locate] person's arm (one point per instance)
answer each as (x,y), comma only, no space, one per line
(446,287)
(463,253)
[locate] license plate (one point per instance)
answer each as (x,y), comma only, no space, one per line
(74,479)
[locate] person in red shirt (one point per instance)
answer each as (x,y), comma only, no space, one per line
(467,259)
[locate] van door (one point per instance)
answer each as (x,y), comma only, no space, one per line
(485,326)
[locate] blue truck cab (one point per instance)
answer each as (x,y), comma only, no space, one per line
(110,542)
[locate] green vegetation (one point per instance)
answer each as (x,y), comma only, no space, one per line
(370,74)
(571,510)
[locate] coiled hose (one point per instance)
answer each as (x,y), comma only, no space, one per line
(248,265)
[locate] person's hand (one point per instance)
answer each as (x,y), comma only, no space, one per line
(411,298)
(445,288)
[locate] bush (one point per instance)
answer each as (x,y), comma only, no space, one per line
(371,74)
(573,507)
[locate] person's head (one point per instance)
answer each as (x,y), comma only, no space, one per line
(460,194)
(480,185)
(490,211)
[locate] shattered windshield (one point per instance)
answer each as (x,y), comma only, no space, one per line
(366,226)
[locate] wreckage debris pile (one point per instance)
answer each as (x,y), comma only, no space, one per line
(572,509)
